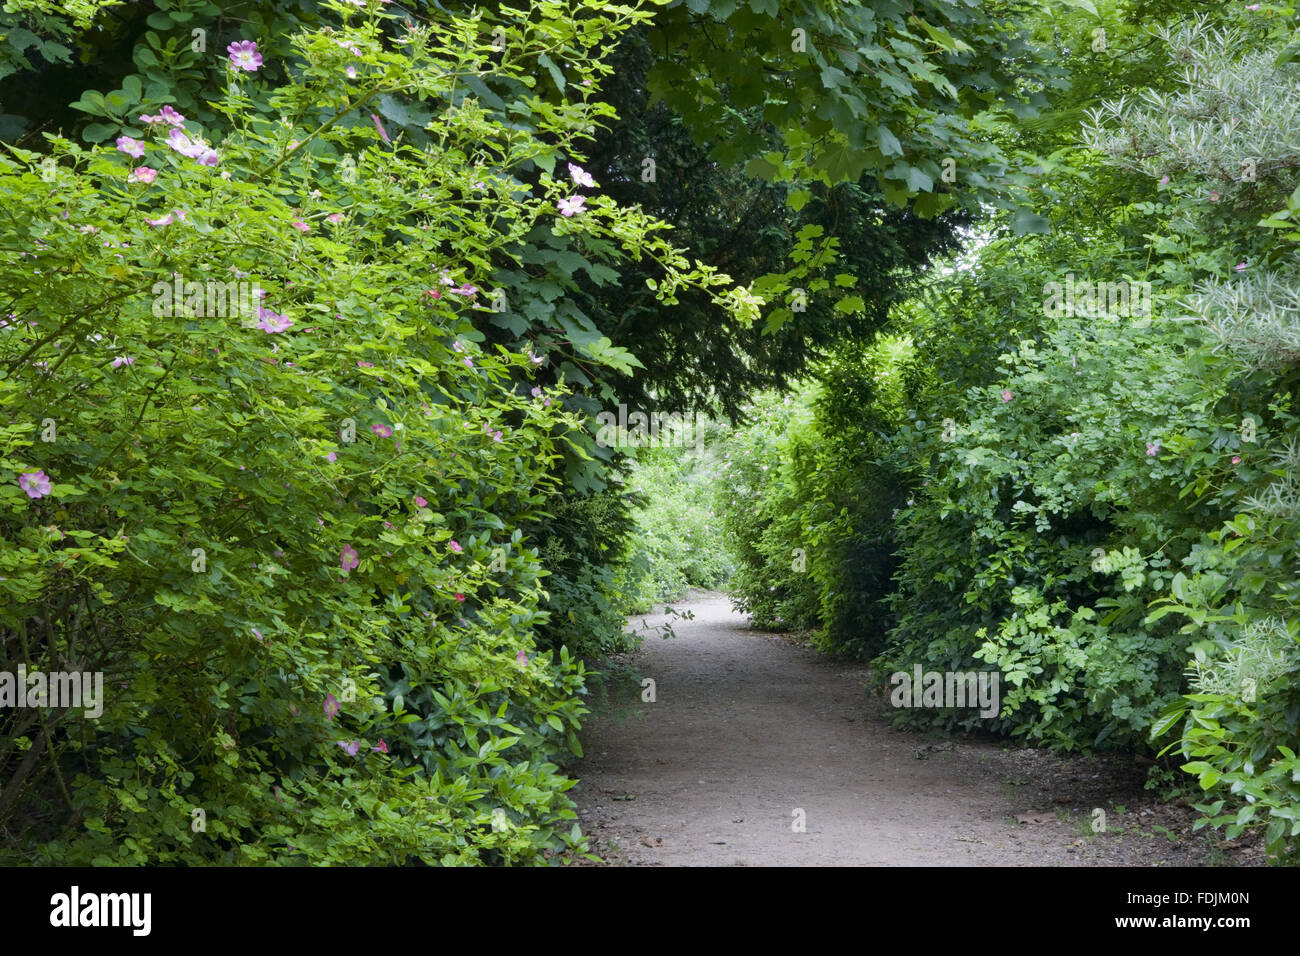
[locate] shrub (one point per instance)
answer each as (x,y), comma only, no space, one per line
(678,538)
(291,535)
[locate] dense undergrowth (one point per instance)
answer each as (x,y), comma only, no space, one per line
(1034,472)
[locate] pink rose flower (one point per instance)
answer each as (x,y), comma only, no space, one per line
(35,483)
(571,205)
(272,322)
(132,147)
(580,176)
(348,559)
(245,56)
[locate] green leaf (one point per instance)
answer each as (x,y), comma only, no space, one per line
(1166,721)
(889,144)
(554,70)
(1026,222)
(98,132)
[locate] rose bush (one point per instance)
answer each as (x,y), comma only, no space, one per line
(260,470)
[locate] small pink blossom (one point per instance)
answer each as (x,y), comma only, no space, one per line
(335,217)
(459,597)
(383,431)
(1240,267)
(132,147)
(469,362)
(301,226)
(382,748)
(580,176)
(1006,395)
(1164,180)
(272,322)
(1153,448)
(331,457)
(176,215)
(1214,195)
(571,205)
(143,174)
(522,658)
(193,148)
(165,115)
(535,359)
(350,747)
(123,360)
(351,72)
(331,706)
(380,126)
(348,559)
(455,546)
(35,483)
(245,56)
(420,502)
(1236,459)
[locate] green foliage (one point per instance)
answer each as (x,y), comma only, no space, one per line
(1227,146)
(815,550)
(678,538)
(763,531)
(584,541)
(293,534)
(1049,519)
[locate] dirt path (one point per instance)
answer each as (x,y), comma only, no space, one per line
(748,728)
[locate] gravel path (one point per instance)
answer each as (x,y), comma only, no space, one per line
(750,734)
